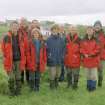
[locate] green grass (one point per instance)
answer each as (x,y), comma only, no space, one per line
(61,96)
(3,29)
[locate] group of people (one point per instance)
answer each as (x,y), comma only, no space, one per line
(25,51)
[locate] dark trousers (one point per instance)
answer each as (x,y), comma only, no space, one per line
(34,78)
(73,77)
(15,79)
(100,73)
(62,75)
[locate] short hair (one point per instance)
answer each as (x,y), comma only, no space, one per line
(90,27)
(13,22)
(35,20)
(55,26)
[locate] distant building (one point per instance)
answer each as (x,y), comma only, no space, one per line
(45,31)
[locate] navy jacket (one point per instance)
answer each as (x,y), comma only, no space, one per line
(55,50)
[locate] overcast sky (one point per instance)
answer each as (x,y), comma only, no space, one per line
(47,8)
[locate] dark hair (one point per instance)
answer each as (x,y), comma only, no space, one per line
(14,22)
(35,20)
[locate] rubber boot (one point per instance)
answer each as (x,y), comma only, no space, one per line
(18,87)
(75,84)
(22,77)
(56,82)
(88,84)
(31,84)
(11,88)
(52,84)
(100,81)
(61,78)
(69,79)
(37,85)
(27,76)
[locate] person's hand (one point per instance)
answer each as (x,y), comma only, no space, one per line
(86,56)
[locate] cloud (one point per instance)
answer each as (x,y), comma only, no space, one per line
(71,11)
(50,7)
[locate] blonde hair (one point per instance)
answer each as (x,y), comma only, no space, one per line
(38,31)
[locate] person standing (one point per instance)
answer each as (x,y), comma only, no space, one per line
(99,34)
(72,57)
(55,51)
(90,52)
(23,33)
(37,59)
(14,58)
(63,36)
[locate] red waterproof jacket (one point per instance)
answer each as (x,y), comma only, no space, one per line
(72,54)
(7,52)
(101,39)
(32,57)
(92,49)
(23,34)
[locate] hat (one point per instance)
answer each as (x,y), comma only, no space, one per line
(98,23)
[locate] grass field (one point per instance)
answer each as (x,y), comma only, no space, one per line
(61,96)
